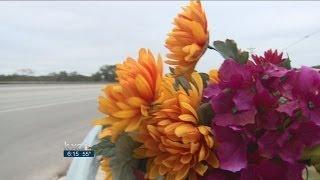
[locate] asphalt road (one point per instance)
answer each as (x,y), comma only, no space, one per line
(35,122)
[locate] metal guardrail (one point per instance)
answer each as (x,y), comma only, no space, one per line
(85,168)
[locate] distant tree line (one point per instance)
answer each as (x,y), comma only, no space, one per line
(105,73)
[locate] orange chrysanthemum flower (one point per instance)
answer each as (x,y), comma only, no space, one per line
(214,76)
(176,145)
(189,39)
(105,167)
(127,103)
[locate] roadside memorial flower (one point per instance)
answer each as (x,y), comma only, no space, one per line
(176,145)
(265,116)
(252,118)
(214,76)
(188,40)
(126,103)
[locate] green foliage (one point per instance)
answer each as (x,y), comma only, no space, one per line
(105,148)
(286,63)
(105,73)
(205,79)
(122,162)
(108,72)
(205,114)
(313,156)
(183,82)
(229,49)
(120,153)
(96,76)
(171,69)
(61,76)
(317,67)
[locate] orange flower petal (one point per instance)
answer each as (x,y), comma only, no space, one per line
(125,114)
(213,160)
(183,129)
(200,168)
(188,39)
(143,87)
(188,118)
(136,101)
(183,172)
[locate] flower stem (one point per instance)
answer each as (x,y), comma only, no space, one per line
(210,47)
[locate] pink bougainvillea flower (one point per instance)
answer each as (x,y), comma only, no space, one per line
(231,99)
(266,170)
(271,170)
(232,150)
(269,57)
(235,75)
(265,115)
(290,143)
(305,84)
(220,174)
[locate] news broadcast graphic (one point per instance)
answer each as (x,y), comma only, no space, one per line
(77,150)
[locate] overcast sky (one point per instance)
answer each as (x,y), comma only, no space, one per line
(82,36)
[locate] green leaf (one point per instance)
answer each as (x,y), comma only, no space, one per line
(205,79)
(123,163)
(317,167)
(143,165)
(243,57)
(313,155)
(205,114)
(229,49)
(286,63)
(183,82)
(311,152)
(171,70)
(105,147)
(316,67)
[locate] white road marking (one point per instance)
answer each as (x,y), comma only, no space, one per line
(44,105)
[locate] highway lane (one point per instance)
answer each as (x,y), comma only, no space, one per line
(36,120)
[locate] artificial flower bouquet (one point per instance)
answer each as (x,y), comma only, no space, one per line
(255,118)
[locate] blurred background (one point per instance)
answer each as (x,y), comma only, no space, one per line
(56,56)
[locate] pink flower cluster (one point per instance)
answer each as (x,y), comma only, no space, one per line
(266,114)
